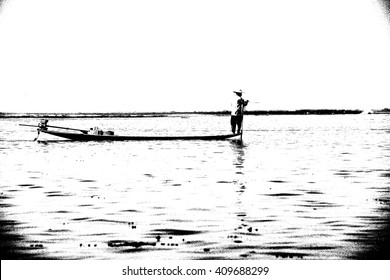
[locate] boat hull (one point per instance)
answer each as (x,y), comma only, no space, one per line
(91,137)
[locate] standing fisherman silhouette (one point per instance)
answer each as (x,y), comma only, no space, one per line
(237,114)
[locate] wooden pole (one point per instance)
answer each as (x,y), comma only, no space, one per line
(68,128)
(242,125)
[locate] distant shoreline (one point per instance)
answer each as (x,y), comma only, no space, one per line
(166,114)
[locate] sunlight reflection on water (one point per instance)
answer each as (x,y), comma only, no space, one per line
(310,187)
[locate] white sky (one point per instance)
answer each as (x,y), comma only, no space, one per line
(157,55)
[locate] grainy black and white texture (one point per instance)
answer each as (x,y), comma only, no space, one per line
(386,4)
(299,187)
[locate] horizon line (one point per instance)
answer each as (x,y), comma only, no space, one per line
(161,114)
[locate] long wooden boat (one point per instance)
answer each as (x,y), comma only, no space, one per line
(91,137)
(95,134)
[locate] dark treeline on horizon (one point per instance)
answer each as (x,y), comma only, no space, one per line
(298,112)
(165,114)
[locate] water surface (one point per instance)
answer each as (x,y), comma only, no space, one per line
(301,187)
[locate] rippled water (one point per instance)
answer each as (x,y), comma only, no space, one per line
(306,187)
